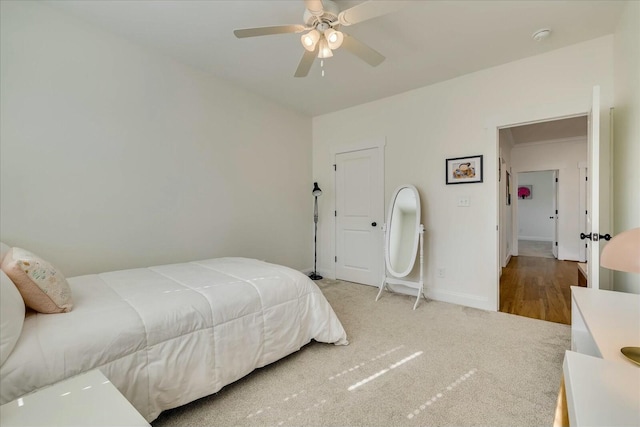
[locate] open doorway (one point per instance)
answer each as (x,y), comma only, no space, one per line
(537,200)
(540,216)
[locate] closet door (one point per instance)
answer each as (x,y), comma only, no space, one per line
(359,216)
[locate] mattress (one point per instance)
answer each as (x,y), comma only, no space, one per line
(170,334)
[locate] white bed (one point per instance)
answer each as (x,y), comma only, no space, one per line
(170,334)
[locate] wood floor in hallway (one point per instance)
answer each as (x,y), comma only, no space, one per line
(538,288)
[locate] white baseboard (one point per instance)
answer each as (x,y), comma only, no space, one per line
(329,274)
(460,298)
(441,295)
(506,261)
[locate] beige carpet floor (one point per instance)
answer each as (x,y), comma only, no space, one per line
(440,365)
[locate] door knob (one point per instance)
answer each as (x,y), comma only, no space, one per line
(373,224)
(595,237)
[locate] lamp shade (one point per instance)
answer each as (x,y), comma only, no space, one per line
(316,190)
(334,38)
(622,253)
(324,49)
(310,40)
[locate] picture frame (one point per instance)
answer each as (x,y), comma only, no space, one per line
(508,182)
(464,170)
(525,192)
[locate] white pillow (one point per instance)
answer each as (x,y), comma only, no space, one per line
(4,248)
(11,316)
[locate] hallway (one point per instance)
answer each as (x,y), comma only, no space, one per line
(538,288)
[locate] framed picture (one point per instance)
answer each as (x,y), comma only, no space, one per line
(464,170)
(525,191)
(508,182)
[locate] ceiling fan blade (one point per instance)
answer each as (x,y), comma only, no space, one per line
(367,10)
(314,7)
(305,63)
(267,31)
(362,51)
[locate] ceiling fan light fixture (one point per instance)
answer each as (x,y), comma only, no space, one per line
(324,51)
(310,40)
(319,34)
(334,38)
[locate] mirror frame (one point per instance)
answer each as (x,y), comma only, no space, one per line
(416,234)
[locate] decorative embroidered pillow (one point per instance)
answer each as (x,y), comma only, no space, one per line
(3,251)
(41,285)
(11,316)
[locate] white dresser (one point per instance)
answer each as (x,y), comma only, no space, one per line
(85,400)
(602,386)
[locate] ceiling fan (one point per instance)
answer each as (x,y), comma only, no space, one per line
(322,22)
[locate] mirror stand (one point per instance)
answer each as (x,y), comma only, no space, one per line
(388,279)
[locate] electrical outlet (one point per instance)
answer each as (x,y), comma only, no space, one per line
(464,202)
(441,272)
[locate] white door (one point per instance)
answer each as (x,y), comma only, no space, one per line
(593,193)
(359,216)
(554,215)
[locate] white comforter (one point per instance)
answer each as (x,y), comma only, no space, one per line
(171,334)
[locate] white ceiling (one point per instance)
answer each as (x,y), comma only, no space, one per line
(425,42)
(574,127)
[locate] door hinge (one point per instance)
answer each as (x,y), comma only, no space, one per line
(556,179)
(586,178)
(335,213)
(556,211)
(556,243)
(334,167)
(586,212)
(336,260)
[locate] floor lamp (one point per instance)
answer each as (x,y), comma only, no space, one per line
(316,192)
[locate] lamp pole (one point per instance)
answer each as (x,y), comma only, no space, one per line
(316,192)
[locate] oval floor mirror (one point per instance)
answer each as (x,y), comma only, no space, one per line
(403,236)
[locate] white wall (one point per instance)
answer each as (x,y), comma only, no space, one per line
(114,156)
(626,139)
(457,118)
(534,214)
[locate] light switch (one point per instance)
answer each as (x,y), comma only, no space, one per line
(464,202)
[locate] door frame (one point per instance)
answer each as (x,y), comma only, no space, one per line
(555,249)
(542,113)
(378,142)
(583,167)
